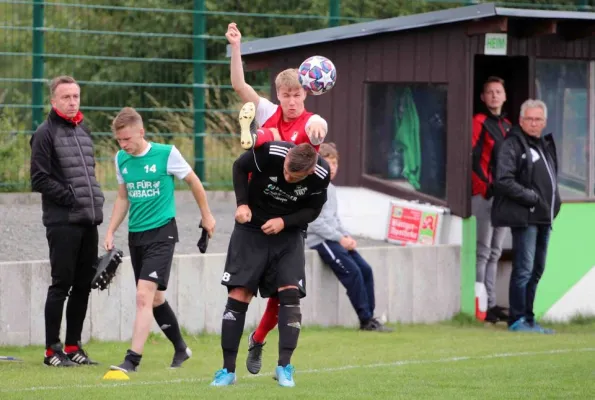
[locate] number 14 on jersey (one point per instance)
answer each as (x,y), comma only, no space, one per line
(151,168)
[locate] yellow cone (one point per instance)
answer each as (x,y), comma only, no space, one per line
(116,376)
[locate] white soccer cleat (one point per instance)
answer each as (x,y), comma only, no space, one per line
(247,125)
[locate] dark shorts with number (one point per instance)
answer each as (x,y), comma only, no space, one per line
(263,263)
(152,253)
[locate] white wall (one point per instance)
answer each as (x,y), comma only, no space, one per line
(412,285)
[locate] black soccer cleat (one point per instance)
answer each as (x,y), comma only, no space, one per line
(374,325)
(254,359)
(247,125)
(80,357)
(180,357)
(58,358)
(126,366)
(106,267)
(496,314)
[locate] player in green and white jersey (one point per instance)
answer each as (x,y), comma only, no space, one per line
(145,173)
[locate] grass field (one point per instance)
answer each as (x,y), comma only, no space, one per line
(458,360)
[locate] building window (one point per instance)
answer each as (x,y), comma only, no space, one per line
(564,86)
(405,135)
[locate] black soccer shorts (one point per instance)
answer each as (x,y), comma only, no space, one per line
(263,263)
(152,262)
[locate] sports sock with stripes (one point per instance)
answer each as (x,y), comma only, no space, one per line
(232,326)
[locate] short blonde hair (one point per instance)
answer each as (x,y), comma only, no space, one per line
(328,150)
(288,78)
(125,118)
(59,80)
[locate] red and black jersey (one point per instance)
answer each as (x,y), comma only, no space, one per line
(488,131)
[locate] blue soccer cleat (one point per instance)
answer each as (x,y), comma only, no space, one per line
(284,376)
(521,325)
(224,378)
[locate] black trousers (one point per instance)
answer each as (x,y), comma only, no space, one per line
(73,252)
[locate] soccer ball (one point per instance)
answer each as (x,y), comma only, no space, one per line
(317,75)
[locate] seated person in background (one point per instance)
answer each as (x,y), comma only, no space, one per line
(337,249)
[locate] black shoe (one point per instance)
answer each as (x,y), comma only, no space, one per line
(496,314)
(80,357)
(254,359)
(180,357)
(501,312)
(130,364)
(374,325)
(59,358)
(126,366)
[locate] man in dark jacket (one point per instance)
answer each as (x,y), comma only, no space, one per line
(527,199)
(63,171)
(489,129)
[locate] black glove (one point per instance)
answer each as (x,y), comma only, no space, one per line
(106,267)
(203,242)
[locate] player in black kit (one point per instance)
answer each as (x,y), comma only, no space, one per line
(286,191)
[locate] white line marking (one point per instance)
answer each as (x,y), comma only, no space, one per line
(309,371)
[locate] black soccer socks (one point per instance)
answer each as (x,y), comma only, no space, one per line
(232,327)
(167,321)
(133,357)
(290,319)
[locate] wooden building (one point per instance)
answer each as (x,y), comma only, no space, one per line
(407,87)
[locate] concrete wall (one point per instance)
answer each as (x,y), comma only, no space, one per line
(413,284)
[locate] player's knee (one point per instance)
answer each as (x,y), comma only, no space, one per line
(240,294)
(144,297)
(289,297)
(58,291)
(159,299)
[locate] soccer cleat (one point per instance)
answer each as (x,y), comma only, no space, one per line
(126,366)
(180,357)
(247,125)
(374,325)
(80,357)
(521,325)
(106,267)
(224,378)
(496,314)
(254,359)
(58,358)
(284,376)
(540,329)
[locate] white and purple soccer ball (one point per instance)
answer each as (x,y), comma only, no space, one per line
(317,75)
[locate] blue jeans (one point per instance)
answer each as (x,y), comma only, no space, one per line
(529,246)
(354,273)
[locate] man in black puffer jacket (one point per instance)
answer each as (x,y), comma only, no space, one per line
(527,200)
(63,171)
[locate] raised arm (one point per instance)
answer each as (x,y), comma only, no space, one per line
(245,91)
